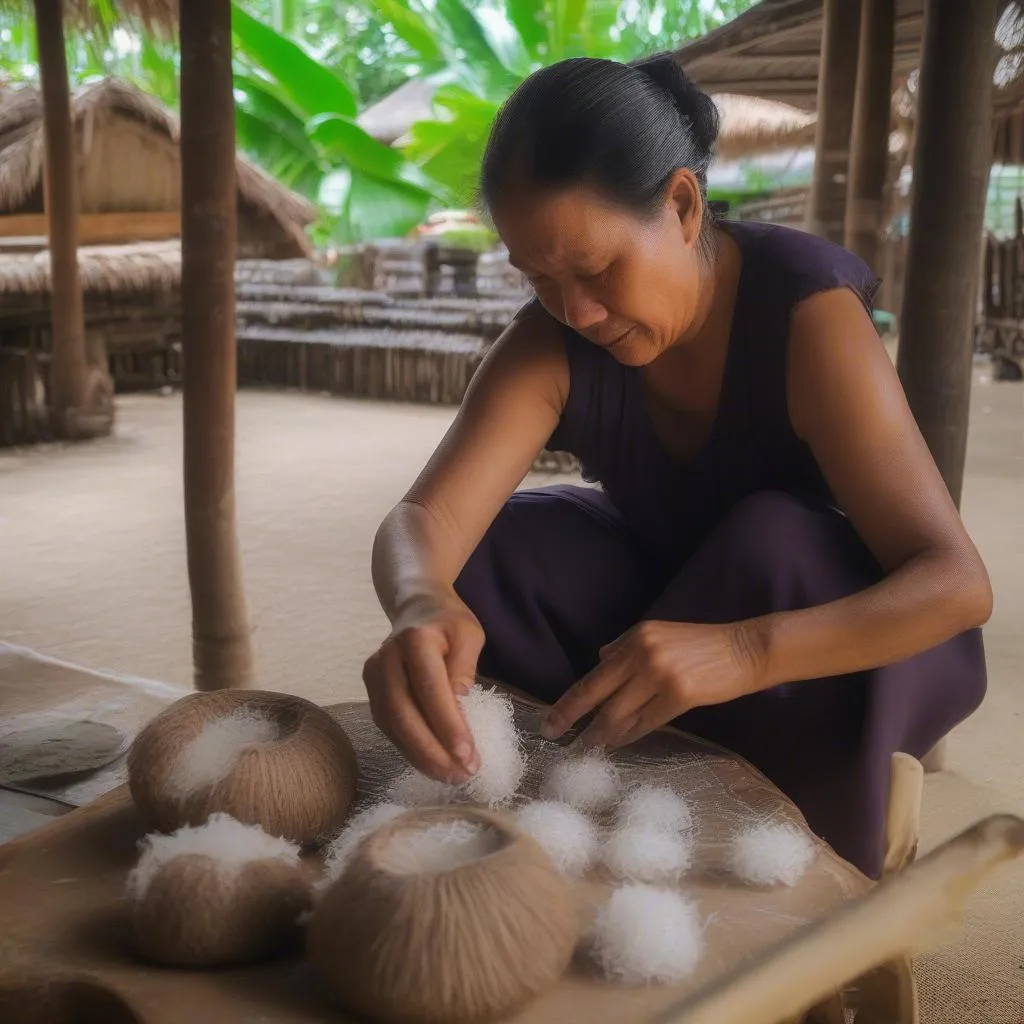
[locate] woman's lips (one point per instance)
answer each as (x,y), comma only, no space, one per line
(615,342)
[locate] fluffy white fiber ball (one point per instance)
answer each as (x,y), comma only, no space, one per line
(231,843)
(645,935)
(588,782)
(414,789)
(769,854)
(566,834)
(359,827)
(646,853)
(655,807)
(208,758)
(490,716)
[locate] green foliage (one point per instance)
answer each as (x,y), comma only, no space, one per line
(303,68)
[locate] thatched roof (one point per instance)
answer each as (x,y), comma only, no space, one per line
(104,269)
(133,141)
(749,125)
(774,50)
(161,15)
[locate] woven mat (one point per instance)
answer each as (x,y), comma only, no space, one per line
(61,891)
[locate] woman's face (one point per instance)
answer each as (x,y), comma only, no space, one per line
(627,284)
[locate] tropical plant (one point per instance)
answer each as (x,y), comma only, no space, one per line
(488,49)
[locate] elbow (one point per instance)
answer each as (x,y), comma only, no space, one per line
(974,598)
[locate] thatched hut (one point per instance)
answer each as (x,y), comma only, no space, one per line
(129,176)
(130,255)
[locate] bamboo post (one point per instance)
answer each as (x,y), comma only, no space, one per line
(952,156)
(69,371)
(222,652)
(826,203)
(869,938)
(869,158)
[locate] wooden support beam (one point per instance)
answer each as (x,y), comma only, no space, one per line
(73,389)
(952,155)
(826,203)
(222,651)
(869,157)
(100,228)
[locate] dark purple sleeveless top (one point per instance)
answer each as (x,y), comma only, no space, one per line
(671,506)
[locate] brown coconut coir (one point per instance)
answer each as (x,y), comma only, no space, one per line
(199,912)
(295,775)
(405,937)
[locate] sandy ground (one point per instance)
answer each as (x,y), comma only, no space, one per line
(92,569)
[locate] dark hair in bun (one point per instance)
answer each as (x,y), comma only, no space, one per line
(623,129)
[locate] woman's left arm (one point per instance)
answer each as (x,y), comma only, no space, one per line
(847,404)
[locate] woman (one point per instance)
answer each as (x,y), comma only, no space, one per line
(725,385)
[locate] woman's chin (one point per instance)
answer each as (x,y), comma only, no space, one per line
(634,353)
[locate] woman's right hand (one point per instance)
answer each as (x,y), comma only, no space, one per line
(413,681)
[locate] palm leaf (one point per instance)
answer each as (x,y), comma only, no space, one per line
(311,88)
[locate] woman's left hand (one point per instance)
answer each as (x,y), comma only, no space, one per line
(651,675)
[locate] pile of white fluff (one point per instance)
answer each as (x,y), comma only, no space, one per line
(652,840)
(655,806)
(490,716)
(208,758)
(229,842)
(491,719)
(414,789)
(445,845)
(647,854)
(644,934)
(588,782)
(361,825)
(767,854)
(567,835)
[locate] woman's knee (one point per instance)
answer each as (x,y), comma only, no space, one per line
(814,553)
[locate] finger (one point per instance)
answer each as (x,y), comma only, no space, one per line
(653,715)
(432,690)
(610,648)
(618,714)
(395,710)
(464,646)
(583,696)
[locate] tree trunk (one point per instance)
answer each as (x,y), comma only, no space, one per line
(869,159)
(837,80)
(79,402)
(222,651)
(952,158)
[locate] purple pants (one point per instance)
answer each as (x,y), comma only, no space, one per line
(558,575)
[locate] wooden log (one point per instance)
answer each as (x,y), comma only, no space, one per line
(100,228)
(70,393)
(869,157)
(222,652)
(951,167)
(836,87)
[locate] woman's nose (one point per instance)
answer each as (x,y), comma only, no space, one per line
(581,311)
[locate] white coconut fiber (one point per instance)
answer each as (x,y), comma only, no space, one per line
(491,719)
(414,789)
(231,843)
(208,758)
(588,782)
(767,854)
(567,835)
(646,853)
(441,847)
(655,807)
(361,825)
(645,935)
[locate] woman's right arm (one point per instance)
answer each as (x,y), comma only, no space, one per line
(510,410)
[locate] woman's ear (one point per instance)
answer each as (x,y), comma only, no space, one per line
(687,204)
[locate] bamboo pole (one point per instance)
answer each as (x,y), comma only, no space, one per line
(69,376)
(222,652)
(869,158)
(826,203)
(952,156)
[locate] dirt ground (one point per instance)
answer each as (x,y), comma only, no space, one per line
(92,566)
